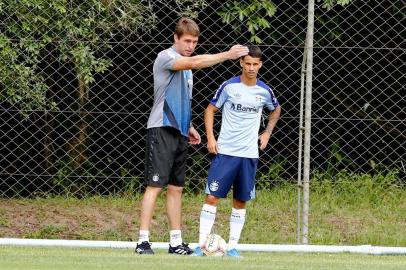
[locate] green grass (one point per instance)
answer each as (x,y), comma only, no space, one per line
(22,258)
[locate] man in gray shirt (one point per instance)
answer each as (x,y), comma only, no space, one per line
(170,130)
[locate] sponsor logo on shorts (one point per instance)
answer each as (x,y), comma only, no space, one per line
(214,186)
(155,178)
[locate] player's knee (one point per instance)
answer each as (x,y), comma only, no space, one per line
(152,191)
(175,189)
(237,204)
(212,200)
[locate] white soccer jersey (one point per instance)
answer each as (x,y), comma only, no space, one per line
(241,115)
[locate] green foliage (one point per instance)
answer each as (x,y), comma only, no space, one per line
(21,81)
(254,15)
(38,31)
(189,8)
(329,4)
(272,177)
(336,160)
(35,33)
(71,182)
(132,184)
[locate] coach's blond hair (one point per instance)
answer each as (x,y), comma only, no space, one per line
(187,26)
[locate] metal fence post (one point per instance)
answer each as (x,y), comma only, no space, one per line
(300,153)
(308,103)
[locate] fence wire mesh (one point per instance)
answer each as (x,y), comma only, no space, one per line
(91,139)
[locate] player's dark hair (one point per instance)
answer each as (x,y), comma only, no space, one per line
(187,26)
(254,51)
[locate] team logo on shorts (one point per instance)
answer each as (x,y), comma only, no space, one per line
(155,178)
(214,186)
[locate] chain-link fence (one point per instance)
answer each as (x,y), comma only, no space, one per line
(91,139)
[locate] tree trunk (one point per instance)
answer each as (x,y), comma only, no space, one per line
(79,143)
(48,144)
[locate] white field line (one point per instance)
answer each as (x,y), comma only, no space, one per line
(364,249)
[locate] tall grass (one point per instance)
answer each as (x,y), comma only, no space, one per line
(358,189)
(358,209)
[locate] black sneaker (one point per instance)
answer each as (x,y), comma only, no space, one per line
(144,248)
(183,249)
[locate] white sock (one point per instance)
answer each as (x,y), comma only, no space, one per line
(176,237)
(143,236)
(237,220)
(207,217)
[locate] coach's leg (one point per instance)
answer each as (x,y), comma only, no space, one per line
(174,213)
(174,206)
(147,210)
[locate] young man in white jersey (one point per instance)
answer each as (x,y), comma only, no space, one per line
(170,130)
(241,99)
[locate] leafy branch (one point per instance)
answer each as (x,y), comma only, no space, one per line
(254,16)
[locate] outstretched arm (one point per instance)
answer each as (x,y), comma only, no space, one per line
(208,123)
(208,60)
(272,120)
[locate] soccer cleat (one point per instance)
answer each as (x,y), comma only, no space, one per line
(198,252)
(144,248)
(233,253)
(183,249)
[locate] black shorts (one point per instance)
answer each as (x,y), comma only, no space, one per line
(165,161)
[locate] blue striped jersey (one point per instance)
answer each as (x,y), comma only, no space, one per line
(241,107)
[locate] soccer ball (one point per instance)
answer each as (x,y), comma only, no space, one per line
(215,245)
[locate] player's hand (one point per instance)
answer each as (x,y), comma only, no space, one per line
(263,140)
(237,51)
(212,146)
(194,136)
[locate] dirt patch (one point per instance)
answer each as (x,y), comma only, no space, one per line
(72,219)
